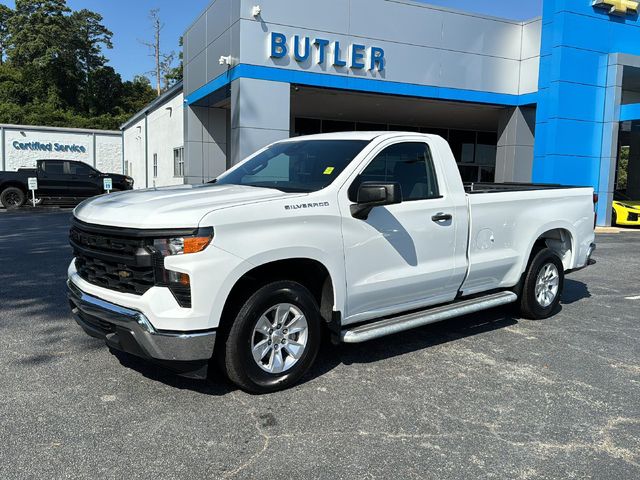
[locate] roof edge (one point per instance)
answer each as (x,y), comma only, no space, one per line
(47,128)
(154,104)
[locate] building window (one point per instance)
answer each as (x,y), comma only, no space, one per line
(155,165)
(178,162)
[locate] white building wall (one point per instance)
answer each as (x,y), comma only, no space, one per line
(166,133)
(109,154)
(134,152)
(163,132)
(64,143)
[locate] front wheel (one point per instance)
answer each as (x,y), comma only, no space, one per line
(274,339)
(543,285)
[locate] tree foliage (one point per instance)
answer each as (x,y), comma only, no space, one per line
(53,70)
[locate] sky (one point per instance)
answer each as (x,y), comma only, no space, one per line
(128,20)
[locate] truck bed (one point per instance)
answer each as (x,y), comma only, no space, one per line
(504,226)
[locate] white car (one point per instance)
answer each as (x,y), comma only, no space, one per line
(362,233)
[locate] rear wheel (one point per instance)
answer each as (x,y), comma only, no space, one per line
(274,339)
(614,218)
(12,197)
(543,285)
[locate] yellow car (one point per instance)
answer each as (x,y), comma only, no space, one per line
(625,212)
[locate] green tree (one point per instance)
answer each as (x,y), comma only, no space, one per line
(175,74)
(136,94)
(40,39)
(53,70)
(5,15)
(90,37)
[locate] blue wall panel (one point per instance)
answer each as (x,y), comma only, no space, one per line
(573,137)
(630,112)
(577,40)
(567,169)
(576,101)
(579,66)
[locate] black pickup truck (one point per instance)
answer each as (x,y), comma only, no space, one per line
(59,181)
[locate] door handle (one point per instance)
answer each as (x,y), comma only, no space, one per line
(442,217)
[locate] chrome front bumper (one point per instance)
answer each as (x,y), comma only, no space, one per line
(130,331)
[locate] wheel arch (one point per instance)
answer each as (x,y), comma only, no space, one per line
(309,272)
(560,240)
(13,183)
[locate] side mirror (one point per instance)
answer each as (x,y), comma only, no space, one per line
(375,194)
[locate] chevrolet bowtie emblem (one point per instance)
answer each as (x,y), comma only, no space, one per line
(617,7)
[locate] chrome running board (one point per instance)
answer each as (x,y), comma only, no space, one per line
(387,326)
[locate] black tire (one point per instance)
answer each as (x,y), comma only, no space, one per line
(530,306)
(614,218)
(12,197)
(238,361)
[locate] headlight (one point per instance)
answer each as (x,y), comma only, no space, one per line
(178,283)
(128,180)
(184,245)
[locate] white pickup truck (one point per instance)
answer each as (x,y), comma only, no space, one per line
(362,234)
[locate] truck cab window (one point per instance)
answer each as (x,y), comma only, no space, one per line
(52,167)
(409,164)
(80,169)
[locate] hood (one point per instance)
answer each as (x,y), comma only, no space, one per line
(181,206)
(114,176)
(635,204)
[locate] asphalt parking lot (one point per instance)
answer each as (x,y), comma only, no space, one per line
(483,396)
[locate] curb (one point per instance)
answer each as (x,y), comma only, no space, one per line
(616,230)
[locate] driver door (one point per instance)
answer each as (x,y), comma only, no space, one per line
(84,181)
(401,257)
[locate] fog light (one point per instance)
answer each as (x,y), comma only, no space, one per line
(179,278)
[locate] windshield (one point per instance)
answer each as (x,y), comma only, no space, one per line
(298,166)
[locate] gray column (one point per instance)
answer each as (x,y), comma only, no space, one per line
(205,143)
(610,131)
(514,158)
(260,112)
(95,154)
(2,149)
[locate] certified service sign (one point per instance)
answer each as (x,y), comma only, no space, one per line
(618,7)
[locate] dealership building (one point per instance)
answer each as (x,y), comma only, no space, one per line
(23,145)
(553,100)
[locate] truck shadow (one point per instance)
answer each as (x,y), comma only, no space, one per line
(331,356)
(574,290)
(216,384)
(412,340)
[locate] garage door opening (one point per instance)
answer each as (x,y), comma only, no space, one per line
(470,129)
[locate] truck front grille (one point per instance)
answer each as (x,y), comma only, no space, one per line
(123,259)
(110,260)
(115,276)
